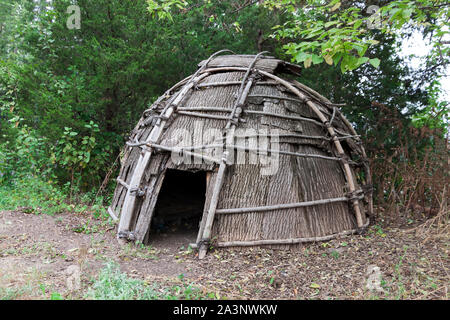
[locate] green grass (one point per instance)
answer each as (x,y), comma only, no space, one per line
(10,294)
(33,195)
(112,284)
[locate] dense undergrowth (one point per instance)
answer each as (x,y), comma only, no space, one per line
(34,195)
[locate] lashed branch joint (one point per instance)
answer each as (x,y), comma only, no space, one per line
(139,192)
(128,235)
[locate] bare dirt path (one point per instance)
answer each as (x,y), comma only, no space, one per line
(36,252)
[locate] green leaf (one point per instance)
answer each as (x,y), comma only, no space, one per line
(336,58)
(362,60)
(358,23)
(301,56)
(352,62)
(314,286)
(375,62)
(407,13)
(330,23)
(344,67)
(316,59)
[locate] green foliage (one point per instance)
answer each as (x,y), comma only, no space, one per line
(80,92)
(22,154)
(79,156)
(161,9)
(32,194)
(335,254)
(72,154)
(435,113)
(56,296)
(326,37)
(338,32)
(379,231)
(112,284)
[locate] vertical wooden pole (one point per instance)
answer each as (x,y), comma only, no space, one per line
(231,126)
(221,173)
(130,197)
(212,207)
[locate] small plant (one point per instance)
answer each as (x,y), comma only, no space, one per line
(272,278)
(306,252)
(56,296)
(398,276)
(314,285)
(87,228)
(42,288)
(186,251)
(379,231)
(112,284)
(335,254)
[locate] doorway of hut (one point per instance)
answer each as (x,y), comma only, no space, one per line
(179,209)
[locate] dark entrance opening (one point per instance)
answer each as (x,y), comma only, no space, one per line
(179,208)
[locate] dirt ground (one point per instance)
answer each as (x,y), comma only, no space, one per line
(37,252)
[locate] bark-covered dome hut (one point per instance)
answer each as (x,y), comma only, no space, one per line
(255,158)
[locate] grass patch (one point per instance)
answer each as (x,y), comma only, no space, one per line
(33,195)
(112,284)
(10,294)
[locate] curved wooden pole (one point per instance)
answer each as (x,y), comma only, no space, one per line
(364,155)
(331,131)
(353,131)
